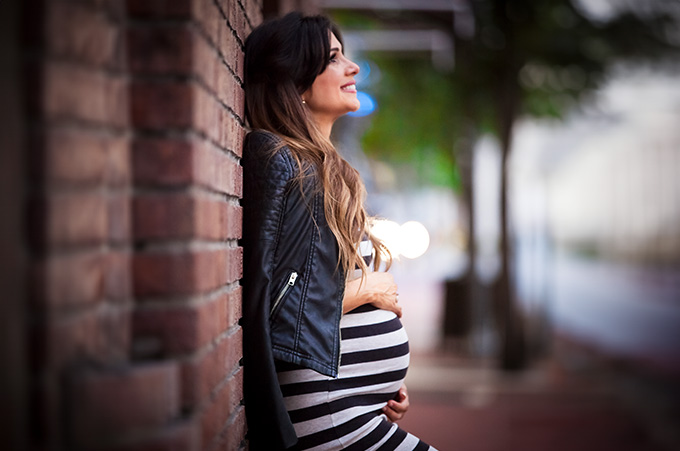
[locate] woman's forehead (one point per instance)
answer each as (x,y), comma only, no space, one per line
(335,43)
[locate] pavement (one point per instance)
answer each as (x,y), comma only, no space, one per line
(463,404)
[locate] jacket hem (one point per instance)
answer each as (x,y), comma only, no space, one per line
(289,356)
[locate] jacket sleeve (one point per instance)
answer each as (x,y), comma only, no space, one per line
(267,178)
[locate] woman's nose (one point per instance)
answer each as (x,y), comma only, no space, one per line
(352,68)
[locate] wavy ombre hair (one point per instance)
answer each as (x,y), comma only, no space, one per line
(283,57)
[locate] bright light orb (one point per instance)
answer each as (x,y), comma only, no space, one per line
(389,232)
(414,239)
(411,239)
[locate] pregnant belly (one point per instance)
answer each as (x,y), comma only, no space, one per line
(374,361)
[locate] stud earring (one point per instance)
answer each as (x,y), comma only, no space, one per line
(303,102)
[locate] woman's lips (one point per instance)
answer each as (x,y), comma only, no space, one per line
(352,87)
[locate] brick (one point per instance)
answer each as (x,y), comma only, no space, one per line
(96,335)
(108,404)
(171,162)
(187,328)
(190,390)
(231,50)
(163,50)
(76,219)
(216,268)
(216,317)
(118,170)
(161,105)
(69,338)
(176,328)
(159,9)
(221,362)
(163,216)
(217,220)
(233,434)
(161,161)
(69,280)
(235,135)
(187,272)
(166,216)
(77,93)
(209,112)
(253,11)
(119,222)
(202,375)
(118,280)
(237,21)
(215,417)
(212,319)
(74,157)
(117,102)
(233,307)
(206,62)
(209,19)
(216,170)
(78,158)
(115,329)
(163,274)
(78,32)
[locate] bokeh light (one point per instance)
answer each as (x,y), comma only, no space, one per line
(410,239)
(414,239)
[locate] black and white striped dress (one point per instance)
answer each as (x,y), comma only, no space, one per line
(346,412)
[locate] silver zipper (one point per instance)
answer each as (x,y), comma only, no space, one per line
(284,290)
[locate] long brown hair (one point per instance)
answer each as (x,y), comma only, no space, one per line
(283,57)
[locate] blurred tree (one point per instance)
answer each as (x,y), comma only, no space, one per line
(526,57)
(540,57)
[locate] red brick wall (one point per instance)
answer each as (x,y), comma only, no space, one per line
(134,127)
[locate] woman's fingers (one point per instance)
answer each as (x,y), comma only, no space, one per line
(383,291)
(397,310)
(387,301)
(396,408)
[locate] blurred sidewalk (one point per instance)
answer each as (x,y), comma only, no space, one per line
(465,405)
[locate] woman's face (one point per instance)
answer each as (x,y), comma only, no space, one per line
(333,92)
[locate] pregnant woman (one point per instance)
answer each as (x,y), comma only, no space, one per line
(325,354)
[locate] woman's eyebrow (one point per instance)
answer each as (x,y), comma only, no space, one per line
(335,49)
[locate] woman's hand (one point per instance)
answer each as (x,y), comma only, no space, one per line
(397,407)
(382,292)
(377,288)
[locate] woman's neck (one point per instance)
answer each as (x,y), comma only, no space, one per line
(325,130)
(324,125)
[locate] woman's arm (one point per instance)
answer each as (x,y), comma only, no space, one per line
(377,288)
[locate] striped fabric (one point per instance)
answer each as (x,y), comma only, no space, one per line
(345,412)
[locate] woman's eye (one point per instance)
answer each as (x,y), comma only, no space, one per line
(333,58)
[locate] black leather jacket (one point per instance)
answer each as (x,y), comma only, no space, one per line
(292,285)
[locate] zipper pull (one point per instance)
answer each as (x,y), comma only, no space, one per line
(292,279)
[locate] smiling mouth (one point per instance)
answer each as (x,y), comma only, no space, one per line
(350,88)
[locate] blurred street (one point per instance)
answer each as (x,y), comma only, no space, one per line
(465,405)
(606,383)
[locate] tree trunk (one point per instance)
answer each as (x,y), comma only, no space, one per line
(465,163)
(513,355)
